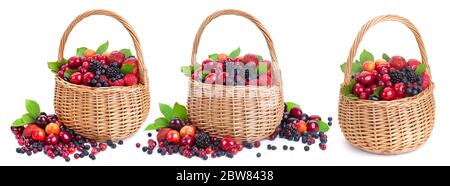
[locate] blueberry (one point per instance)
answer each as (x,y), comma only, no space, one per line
(285,147)
(144,149)
(306,148)
(205,157)
(109,142)
(120,142)
(98,85)
(274,147)
(291,148)
(149,134)
(330,119)
(258,154)
(323,140)
(92,156)
(330,123)
(269,146)
(67,159)
(113,146)
(409,91)
(309,143)
(163,153)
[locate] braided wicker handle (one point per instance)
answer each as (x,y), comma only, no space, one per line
(253,19)
(137,44)
(375,21)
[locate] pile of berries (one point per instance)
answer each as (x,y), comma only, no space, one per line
(184,139)
(390,80)
(48,135)
(299,126)
(99,69)
(232,70)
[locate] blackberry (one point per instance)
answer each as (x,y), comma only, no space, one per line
(112,72)
(95,67)
(202,140)
(396,76)
(410,75)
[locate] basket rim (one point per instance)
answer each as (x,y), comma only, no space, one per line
(427,92)
(99,89)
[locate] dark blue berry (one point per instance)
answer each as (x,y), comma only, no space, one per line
(330,119)
(120,142)
(291,148)
(149,134)
(306,148)
(285,147)
(258,154)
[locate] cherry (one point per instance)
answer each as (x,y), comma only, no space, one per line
(65,137)
(363,95)
(138,145)
(323,146)
(234,151)
(52,139)
(208,65)
(74,62)
(176,124)
(385,78)
(257,144)
(368,91)
(210,78)
(388,84)
(388,94)
(221,78)
(87,77)
(366,78)
(17,130)
(103,146)
(75,78)
(313,127)
(94,151)
(227,143)
(358,88)
(187,141)
(400,89)
(296,112)
(315,117)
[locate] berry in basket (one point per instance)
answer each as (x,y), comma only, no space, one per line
(36,132)
(99,68)
(232,70)
(386,79)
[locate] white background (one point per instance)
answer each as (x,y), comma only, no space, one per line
(312,39)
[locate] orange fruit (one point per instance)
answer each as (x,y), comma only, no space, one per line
(52,128)
(379,62)
(222,56)
(368,66)
(301,126)
(187,131)
(89,53)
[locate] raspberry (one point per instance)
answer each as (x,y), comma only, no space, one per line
(130,79)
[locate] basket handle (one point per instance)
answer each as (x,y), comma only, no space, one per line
(375,21)
(253,19)
(137,45)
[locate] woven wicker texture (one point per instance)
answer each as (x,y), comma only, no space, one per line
(109,113)
(387,127)
(246,113)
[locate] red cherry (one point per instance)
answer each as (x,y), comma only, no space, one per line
(187,141)
(87,78)
(315,117)
(366,78)
(388,94)
(388,84)
(173,137)
(103,146)
(210,78)
(385,78)
(400,89)
(364,95)
(208,65)
(358,88)
(75,78)
(65,137)
(74,62)
(227,143)
(38,134)
(234,151)
(312,126)
(52,139)
(94,151)
(296,112)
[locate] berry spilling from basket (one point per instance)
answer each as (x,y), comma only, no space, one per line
(298,126)
(36,132)
(387,79)
(177,135)
(99,68)
(232,70)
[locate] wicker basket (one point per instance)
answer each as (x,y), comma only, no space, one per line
(246,113)
(387,127)
(109,113)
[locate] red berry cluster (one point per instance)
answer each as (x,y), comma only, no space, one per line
(101,70)
(49,136)
(395,79)
(234,70)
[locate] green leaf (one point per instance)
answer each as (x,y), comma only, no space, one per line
(203,75)
(80,51)
(28,117)
(290,105)
(180,111)
(323,127)
(54,66)
(127,52)
(159,123)
(235,53)
(127,68)
(366,56)
(213,57)
(346,90)
(352,97)
(356,67)
(262,69)
(21,122)
(33,108)
(166,110)
(196,66)
(386,57)
(421,69)
(102,48)
(63,61)
(260,58)
(377,91)
(186,70)
(69,72)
